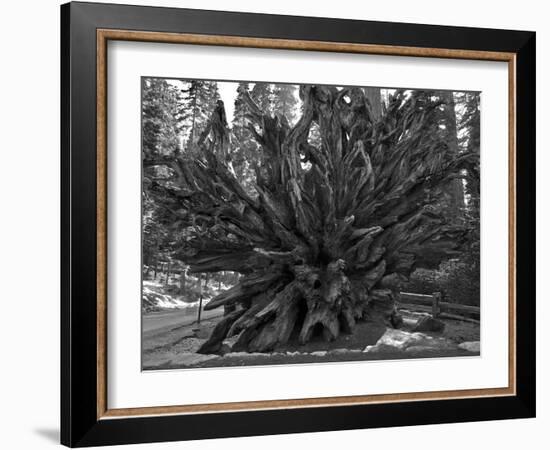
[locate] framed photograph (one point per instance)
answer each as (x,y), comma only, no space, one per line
(276,224)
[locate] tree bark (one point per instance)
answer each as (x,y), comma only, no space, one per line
(168,266)
(183,281)
(374,97)
(456,186)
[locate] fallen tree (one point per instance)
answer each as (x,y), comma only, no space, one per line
(333,228)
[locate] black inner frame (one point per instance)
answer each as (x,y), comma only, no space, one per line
(79,423)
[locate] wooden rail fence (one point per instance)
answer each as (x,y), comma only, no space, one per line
(432,303)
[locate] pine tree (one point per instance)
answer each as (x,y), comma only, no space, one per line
(213,94)
(262,94)
(465,273)
(285,101)
(469,141)
(162,126)
(245,150)
(160,114)
(456,187)
(443,128)
(199,99)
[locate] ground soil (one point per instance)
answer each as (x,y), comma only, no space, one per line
(171,338)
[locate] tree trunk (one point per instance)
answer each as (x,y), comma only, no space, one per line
(374,96)
(456,186)
(167,273)
(183,281)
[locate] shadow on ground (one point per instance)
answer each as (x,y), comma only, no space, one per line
(49,434)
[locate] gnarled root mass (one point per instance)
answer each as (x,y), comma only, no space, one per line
(336,222)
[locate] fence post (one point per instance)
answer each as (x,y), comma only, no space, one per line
(200,299)
(435,304)
(168,267)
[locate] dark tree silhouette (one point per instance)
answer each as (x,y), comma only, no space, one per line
(199,99)
(333,227)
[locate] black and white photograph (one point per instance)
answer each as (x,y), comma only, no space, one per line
(288,224)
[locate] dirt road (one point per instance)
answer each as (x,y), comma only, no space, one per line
(160,322)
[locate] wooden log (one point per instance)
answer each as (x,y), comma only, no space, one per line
(414,307)
(444,315)
(446,306)
(419,299)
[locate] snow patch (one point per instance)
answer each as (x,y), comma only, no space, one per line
(471,346)
(398,340)
(152,297)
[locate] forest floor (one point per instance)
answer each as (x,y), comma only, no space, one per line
(172,337)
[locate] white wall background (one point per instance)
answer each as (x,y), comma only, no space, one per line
(29,225)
